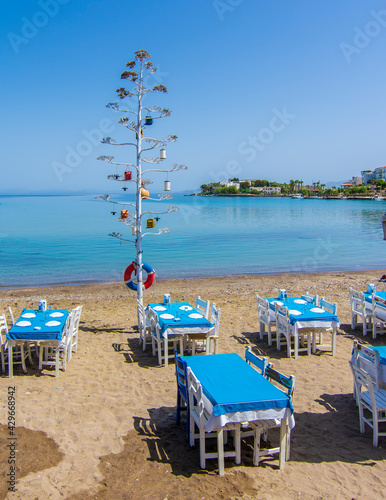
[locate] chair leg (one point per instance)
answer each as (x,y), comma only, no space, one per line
(22,358)
(256,446)
(262,329)
(202,449)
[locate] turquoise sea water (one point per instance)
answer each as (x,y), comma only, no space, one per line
(64,239)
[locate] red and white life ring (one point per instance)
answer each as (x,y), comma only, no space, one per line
(133,269)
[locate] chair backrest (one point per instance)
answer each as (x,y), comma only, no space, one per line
(11,315)
(260,363)
(181,375)
(141,316)
(329,306)
(195,394)
(203,306)
(363,379)
(282,317)
(262,305)
(3,328)
(357,300)
(312,299)
(215,315)
(368,360)
(379,308)
(282,380)
(76,318)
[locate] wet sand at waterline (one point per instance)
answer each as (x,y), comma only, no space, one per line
(105,429)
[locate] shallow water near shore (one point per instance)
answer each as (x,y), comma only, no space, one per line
(64,239)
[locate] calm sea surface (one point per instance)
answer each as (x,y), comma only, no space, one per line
(64,239)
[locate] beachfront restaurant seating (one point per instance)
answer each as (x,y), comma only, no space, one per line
(198,416)
(371,403)
(52,353)
(265,318)
(182,391)
(312,299)
(144,327)
(261,427)
(259,363)
(379,316)
(203,306)
(285,329)
(317,335)
(158,341)
(20,352)
(73,342)
(369,360)
(360,308)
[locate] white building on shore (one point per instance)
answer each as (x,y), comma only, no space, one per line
(379,174)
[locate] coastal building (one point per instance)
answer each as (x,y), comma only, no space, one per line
(355,181)
(230,183)
(266,189)
(379,174)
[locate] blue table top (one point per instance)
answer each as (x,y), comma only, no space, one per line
(308,312)
(379,293)
(232,385)
(181,316)
(39,325)
(382,353)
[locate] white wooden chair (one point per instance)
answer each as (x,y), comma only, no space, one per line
(144,327)
(261,427)
(198,417)
(371,400)
(311,299)
(158,342)
(203,306)
(260,363)
(379,316)
(56,354)
(284,327)
(73,342)
(19,351)
(11,316)
(317,344)
(369,360)
(215,315)
(265,318)
(362,309)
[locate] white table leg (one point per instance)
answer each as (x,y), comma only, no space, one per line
(166,346)
(10,359)
(57,360)
(334,332)
(283,442)
(220,450)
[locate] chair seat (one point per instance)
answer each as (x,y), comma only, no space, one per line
(380,399)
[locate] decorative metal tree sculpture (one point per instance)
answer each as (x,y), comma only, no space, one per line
(140,69)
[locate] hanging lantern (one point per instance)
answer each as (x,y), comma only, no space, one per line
(124,214)
(127,175)
(166,185)
(162,154)
(148,120)
(144,193)
(125,188)
(150,223)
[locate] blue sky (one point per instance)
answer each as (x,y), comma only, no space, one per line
(278,90)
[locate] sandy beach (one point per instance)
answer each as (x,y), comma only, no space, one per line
(105,429)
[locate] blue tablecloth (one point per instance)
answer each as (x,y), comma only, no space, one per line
(380,293)
(382,353)
(308,312)
(47,325)
(231,385)
(181,313)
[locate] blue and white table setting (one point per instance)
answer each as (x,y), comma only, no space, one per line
(179,319)
(36,326)
(234,392)
(305,315)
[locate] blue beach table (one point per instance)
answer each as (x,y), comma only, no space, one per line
(236,392)
(302,314)
(180,318)
(36,326)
